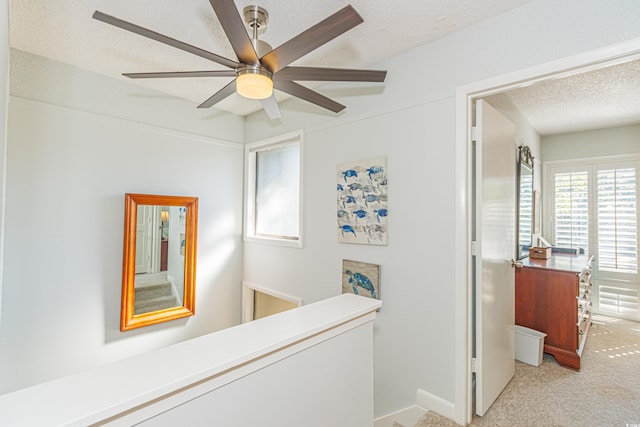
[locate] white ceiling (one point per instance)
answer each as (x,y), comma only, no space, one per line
(63,30)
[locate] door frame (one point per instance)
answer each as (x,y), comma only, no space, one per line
(465,96)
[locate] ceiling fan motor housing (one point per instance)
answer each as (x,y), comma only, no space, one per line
(256,17)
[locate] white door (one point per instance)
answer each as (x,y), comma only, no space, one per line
(148,236)
(142,240)
(495,226)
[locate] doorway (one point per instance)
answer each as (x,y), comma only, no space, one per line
(260,301)
(465,97)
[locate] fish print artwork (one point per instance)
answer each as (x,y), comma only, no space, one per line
(361,202)
(361,278)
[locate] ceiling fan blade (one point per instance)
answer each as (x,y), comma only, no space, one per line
(171,74)
(219,95)
(270,106)
(234,29)
(312,38)
(293,88)
(330,74)
(117,22)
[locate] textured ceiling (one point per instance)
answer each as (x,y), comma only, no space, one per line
(605,97)
(63,30)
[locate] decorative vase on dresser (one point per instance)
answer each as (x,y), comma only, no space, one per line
(553,296)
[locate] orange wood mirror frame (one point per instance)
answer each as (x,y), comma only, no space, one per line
(129,319)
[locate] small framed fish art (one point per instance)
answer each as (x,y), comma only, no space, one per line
(361,209)
(361,278)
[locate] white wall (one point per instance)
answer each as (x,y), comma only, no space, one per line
(417,256)
(67,173)
(411,120)
(289,392)
(37,78)
(614,141)
(4,100)
(307,367)
(525,135)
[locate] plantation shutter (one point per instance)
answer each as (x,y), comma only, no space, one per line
(593,205)
(526,210)
(571,209)
(617,220)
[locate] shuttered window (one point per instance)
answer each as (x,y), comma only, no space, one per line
(571,209)
(617,220)
(525,213)
(593,205)
(618,301)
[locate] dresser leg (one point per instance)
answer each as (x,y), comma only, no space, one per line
(568,359)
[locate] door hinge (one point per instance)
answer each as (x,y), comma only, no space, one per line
(474,133)
(473,365)
(473,248)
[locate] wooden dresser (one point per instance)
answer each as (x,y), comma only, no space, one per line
(553,296)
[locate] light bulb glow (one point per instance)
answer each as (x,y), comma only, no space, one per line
(254,85)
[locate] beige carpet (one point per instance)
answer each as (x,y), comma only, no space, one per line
(605,393)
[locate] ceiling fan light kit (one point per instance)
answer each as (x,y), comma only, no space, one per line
(260,68)
(254,82)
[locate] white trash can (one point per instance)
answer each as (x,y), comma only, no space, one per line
(529,345)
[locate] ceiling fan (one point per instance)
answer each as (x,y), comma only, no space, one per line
(260,68)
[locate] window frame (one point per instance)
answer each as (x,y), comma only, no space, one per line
(250,176)
(614,293)
(622,164)
(564,169)
(592,165)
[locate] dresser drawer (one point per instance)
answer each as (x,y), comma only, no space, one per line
(583,323)
(584,297)
(584,278)
(584,310)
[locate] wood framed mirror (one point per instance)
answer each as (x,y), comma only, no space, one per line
(159,259)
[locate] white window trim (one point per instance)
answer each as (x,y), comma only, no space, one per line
(250,189)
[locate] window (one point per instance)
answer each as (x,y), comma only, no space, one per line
(571,209)
(617,220)
(526,210)
(273,184)
(593,205)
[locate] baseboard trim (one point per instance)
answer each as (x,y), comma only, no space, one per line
(408,417)
(431,402)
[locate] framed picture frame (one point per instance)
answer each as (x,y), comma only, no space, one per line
(361,278)
(362,211)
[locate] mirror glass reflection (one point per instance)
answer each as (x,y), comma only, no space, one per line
(525,202)
(159,271)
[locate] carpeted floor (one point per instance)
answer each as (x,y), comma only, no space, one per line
(605,393)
